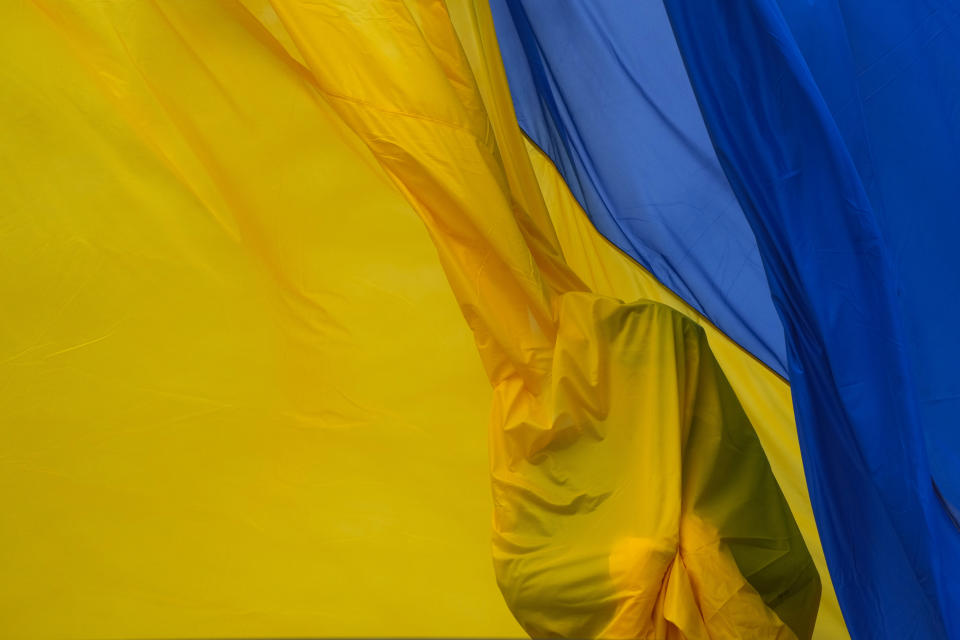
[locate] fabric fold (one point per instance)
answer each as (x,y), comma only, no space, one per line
(891,546)
(632,496)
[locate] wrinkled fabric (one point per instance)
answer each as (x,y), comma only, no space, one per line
(891,544)
(601,88)
(237,398)
(764,396)
(632,497)
(890,75)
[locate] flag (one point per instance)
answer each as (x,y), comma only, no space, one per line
(411,317)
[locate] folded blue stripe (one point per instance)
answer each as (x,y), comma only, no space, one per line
(835,129)
(601,88)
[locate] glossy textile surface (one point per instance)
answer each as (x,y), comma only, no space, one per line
(631,494)
(601,88)
(226,323)
(894,552)
(890,75)
(234,384)
(764,396)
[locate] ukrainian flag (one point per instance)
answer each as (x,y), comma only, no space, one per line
(567,318)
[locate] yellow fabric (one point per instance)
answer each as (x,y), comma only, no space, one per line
(764,396)
(236,395)
(237,398)
(631,496)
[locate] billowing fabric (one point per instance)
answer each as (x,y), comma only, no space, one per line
(632,497)
(889,75)
(892,547)
(237,397)
(601,88)
(765,397)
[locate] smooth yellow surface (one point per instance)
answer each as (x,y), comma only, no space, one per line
(632,498)
(237,398)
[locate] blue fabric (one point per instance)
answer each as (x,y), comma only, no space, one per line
(892,548)
(890,75)
(601,88)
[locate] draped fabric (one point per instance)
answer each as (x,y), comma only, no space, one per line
(631,495)
(837,290)
(889,79)
(764,396)
(834,125)
(314,307)
(601,88)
